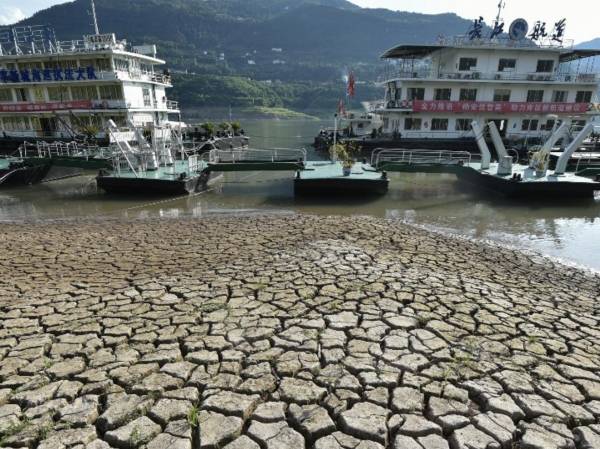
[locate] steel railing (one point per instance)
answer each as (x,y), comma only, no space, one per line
(383,156)
(255,155)
(43,149)
(495,76)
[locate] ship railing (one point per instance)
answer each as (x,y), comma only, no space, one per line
(48,150)
(495,76)
(217,156)
(589,161)
(161,78)
(172,105)
(382,156)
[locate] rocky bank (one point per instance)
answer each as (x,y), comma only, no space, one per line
(290,332)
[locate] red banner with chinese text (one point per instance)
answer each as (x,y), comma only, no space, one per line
(503,107)
(45,107)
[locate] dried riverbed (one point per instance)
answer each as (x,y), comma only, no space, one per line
(290,332)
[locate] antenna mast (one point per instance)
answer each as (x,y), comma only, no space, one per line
(501,5)
(95,18)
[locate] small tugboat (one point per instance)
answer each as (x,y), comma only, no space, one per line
(533,180)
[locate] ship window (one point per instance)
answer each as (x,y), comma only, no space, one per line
(102,65)
(147,101)
(121,65)
(583,96)
(468,95)
(578,124)
(21,94)
(466,64)
(412,123)
(58,93)
(548,126)
(529,125)
(463,124)
(559,96)
(545,66)
(415,93)
(439,124)
(442,94)
(14,123)
(535,96)
(110,93)
(68,64)
(507,65)
(502,95)
(6,95)
(30,65)
(84,93)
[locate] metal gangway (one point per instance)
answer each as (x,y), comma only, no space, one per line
(250,159)
(420,160)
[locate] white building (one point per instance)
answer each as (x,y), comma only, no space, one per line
(435,91)
(54,89)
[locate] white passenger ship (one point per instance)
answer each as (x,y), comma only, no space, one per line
(526,81)
(57,90)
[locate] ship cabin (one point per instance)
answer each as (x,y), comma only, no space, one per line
(57,89)
(436,91)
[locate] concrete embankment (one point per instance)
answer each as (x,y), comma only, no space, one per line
(290,332)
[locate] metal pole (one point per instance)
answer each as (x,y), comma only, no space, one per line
(334,155)
(97,31)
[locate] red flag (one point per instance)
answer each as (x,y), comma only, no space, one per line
(350,90)
(341,108)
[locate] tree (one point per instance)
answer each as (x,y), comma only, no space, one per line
(209,129)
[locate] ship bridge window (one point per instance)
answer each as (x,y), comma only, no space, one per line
(121,65)
(535,96)
(412,124)
(468,95)
(6,95)
(583,96)
(415,93)
(507,65)
(84,93)
(559,96)
(111,93)
(30,65)
(439,124)
(463,124)
(147,100)
(466,64)
(22,94)
(529,125)
(545,66)
(58,93)
(14,123)
(502,95)
(442,94)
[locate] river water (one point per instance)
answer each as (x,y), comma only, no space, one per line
(567,231)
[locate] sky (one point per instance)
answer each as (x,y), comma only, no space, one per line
(581,14)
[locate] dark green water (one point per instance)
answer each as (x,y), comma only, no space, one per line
(569,231)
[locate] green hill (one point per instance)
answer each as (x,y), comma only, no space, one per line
(307,44)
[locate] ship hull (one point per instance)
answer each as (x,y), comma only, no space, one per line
(24,175)
(524,189)
(145,186)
